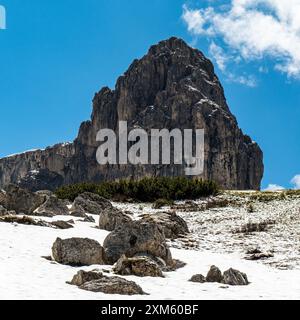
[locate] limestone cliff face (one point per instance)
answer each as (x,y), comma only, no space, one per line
(172,86)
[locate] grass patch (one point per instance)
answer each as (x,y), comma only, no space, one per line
(144,190)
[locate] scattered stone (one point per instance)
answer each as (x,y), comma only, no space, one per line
(198,278)
(111,218)
(137,266)
(214,275)
(174,265)
(95,281)
(24,220)
(89,219)
(172,225)
(259,256)
(79,214)
(253,251)
(113,285)
(235,278)
(82,277)
(77,252)
(61,224)
(255,227)
(136,237)
(53,206)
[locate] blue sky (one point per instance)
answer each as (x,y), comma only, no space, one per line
(55,55)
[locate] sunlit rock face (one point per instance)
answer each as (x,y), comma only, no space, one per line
(172,86)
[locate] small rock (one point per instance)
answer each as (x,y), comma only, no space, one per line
(113,285)
(259,256)
(61,224)
(82,277)
(198,278)
(235,278)
(88,219)
(137,266)
(214,275)
(24,220)
(174,265)
(253,251)
(95,281)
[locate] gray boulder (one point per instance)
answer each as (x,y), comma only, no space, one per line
(141,266)
(21,200)
(77,252)
(111,218)
(198,278)
(235,278)
(113,285)
(91,203)
(82,277)
(53,206)
(136,237)
(172,225)
(61,224)
(214,275)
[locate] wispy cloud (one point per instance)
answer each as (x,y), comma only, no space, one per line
(247,80)
(296,182)
(253,29)
(219,56)
(274,187)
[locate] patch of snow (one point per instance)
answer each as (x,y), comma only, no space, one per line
(192,88)
(25,275)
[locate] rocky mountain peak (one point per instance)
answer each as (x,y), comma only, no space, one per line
(172,86)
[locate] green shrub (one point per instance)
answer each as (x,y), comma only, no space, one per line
(159,203)
(144,190)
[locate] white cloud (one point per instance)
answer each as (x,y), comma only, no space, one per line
(247,80)
(253,29)
(218,54)
(274,187)
(296,181)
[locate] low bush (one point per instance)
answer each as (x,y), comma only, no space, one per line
(159,203)
(144,190)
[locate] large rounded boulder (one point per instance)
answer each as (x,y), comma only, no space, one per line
(136,237)
(77,252)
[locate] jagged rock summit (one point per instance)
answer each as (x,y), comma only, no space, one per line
(172,86)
